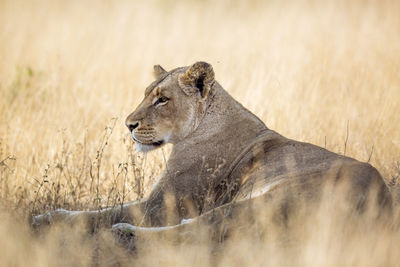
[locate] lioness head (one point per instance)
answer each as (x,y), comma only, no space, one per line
(172,107)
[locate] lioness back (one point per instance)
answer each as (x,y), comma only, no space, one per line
(278,161)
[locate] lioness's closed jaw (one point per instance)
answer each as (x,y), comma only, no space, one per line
(198,78)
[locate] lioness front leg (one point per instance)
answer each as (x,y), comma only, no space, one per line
(213,224)
(131,212)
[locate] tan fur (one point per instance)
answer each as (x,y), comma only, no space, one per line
(222,153)
(158,71)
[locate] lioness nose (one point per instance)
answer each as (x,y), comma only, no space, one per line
(132,125)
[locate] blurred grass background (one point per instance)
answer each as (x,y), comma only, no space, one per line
(325,72)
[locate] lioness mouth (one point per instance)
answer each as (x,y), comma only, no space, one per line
(158,143)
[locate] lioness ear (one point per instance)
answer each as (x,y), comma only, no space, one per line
(198,78)
(158,71)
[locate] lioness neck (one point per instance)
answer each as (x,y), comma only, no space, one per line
(227,118)
(224,131)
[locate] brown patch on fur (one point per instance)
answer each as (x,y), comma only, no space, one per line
(156,91)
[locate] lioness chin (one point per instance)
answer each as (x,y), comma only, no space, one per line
(223,157)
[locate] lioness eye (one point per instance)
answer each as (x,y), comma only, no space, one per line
(161,100)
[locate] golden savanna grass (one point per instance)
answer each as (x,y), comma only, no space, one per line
(324,72)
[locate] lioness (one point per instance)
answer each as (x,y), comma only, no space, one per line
(222,154)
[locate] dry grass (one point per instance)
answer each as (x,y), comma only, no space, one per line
(70,71)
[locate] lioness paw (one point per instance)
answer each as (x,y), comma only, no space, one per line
(49,218)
